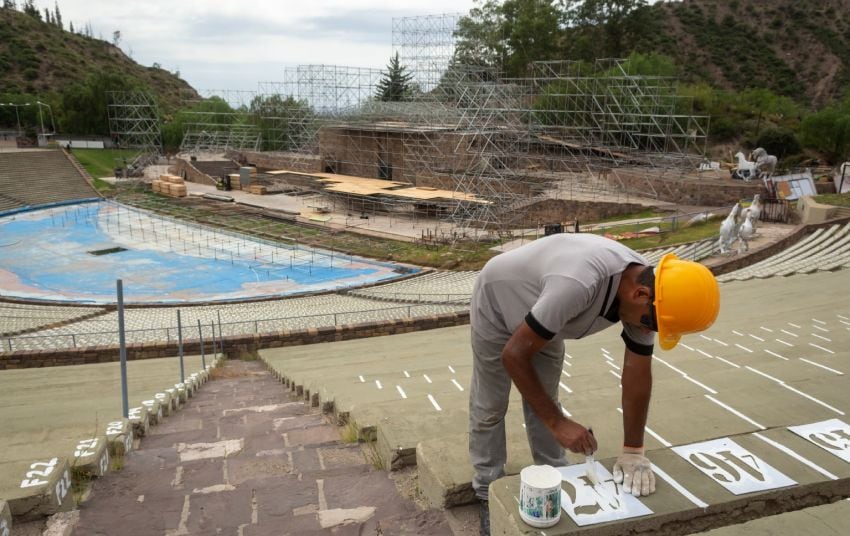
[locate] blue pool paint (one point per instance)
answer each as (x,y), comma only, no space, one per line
(46,252)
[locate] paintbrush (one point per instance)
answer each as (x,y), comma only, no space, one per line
(590,466)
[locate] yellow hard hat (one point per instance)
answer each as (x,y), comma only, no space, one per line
(687,299)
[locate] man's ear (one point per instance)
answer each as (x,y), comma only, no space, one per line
(641,292)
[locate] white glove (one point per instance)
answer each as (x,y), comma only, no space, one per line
(634,471)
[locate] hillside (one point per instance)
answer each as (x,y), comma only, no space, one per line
(40,59)
(797,49)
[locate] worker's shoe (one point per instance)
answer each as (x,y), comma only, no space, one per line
(484,516)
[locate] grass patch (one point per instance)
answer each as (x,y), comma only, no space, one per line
(102,162)
(838,200)
(699,231)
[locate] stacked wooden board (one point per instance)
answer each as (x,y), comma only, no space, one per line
(171,185)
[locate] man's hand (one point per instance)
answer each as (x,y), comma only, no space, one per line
(575,437)
(634,471)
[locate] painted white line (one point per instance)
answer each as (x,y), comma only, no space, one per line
(459,387)
(669,365)
(820,328)
(565,388)
(565,373)
(434,403)
(756,337)
(821,348)
(362,379)
(718,341)
(842,317)
(378,384)
(707,388)
(705,337)
(615,374)
(427,379)
(766,329)
(568,355)
(706,354)
(821,337)
(813,399)
(678,487)
(785,331)
(727,361)
(768,376)
(793,325)
(611,363)
(567,363)
(743,348)
(822,366)
(683,345)
(783,342)
(608,358)
(737,333)
(604,351)
(818,321)
(401,391)
(451,369)
(406,374)
(653,433)
(774,354)
(735,412)
(567,413)
(796,456)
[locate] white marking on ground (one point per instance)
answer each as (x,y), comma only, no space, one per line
(345,516)
(567,363)
(678,487)
(820,328)
(743,348)
(707,388)
(201,451)
(362,379)
(727,361)
(217,488)
(141,499)
(785,331)
(406,374)
(427,379)
(760,373)
(706,337)
(653,434)
(793,325)
(669,365)
(783,342)
(565,373)
(459,388)
(611,363)
(177,483)
(706,354)
(378,384)
(735,412)
(434,403)
(756,337)
(822,366)
(813,399)
(568,355)
(181,529)
(821,348)
(615,374)
(604,351)
(683,345)
(323,501)
(260,409)
(766,329)
(796,456)
(718,341)
(842,317)
(401,391)
(684,375)
(738,333)
(775,354)
(451,369)
(565,412)
(818,321)
(565,388)
(821,337)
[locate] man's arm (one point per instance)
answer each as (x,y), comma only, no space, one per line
(516,358)
(637,390)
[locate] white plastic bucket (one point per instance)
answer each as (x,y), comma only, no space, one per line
(540,495)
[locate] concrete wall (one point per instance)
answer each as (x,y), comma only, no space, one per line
(185,169)
(813,212)
(562,210)
(305,163)
(675,188)
(234,346)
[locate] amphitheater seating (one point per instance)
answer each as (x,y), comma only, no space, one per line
(37,177)
(823,250)
(434,287)
(216,168)
(18,317)
(693,251)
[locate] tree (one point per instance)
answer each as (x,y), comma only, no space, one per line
(285,123)
(10,5)
(71,26)
(396,84)
(57,16)
(828,131)
(509,35)
(116,37)
(601,28)
(84,104)
(31,10)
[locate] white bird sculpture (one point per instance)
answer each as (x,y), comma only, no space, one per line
(745,233)
(729,230)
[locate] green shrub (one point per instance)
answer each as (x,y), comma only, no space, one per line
(779,142)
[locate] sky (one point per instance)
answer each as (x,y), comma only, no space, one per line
(231,44)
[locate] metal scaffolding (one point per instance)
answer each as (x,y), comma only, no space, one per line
(134,121)
(218,120)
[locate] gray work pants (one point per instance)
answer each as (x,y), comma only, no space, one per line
(488,403)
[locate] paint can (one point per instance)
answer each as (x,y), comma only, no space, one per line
(540,495)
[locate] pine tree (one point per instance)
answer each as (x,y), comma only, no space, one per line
(71,26)
(10,5)
(47,16)
(395,84)
(57,17)
(31,10)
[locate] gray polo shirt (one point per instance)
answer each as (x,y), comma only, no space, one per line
(564,286)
